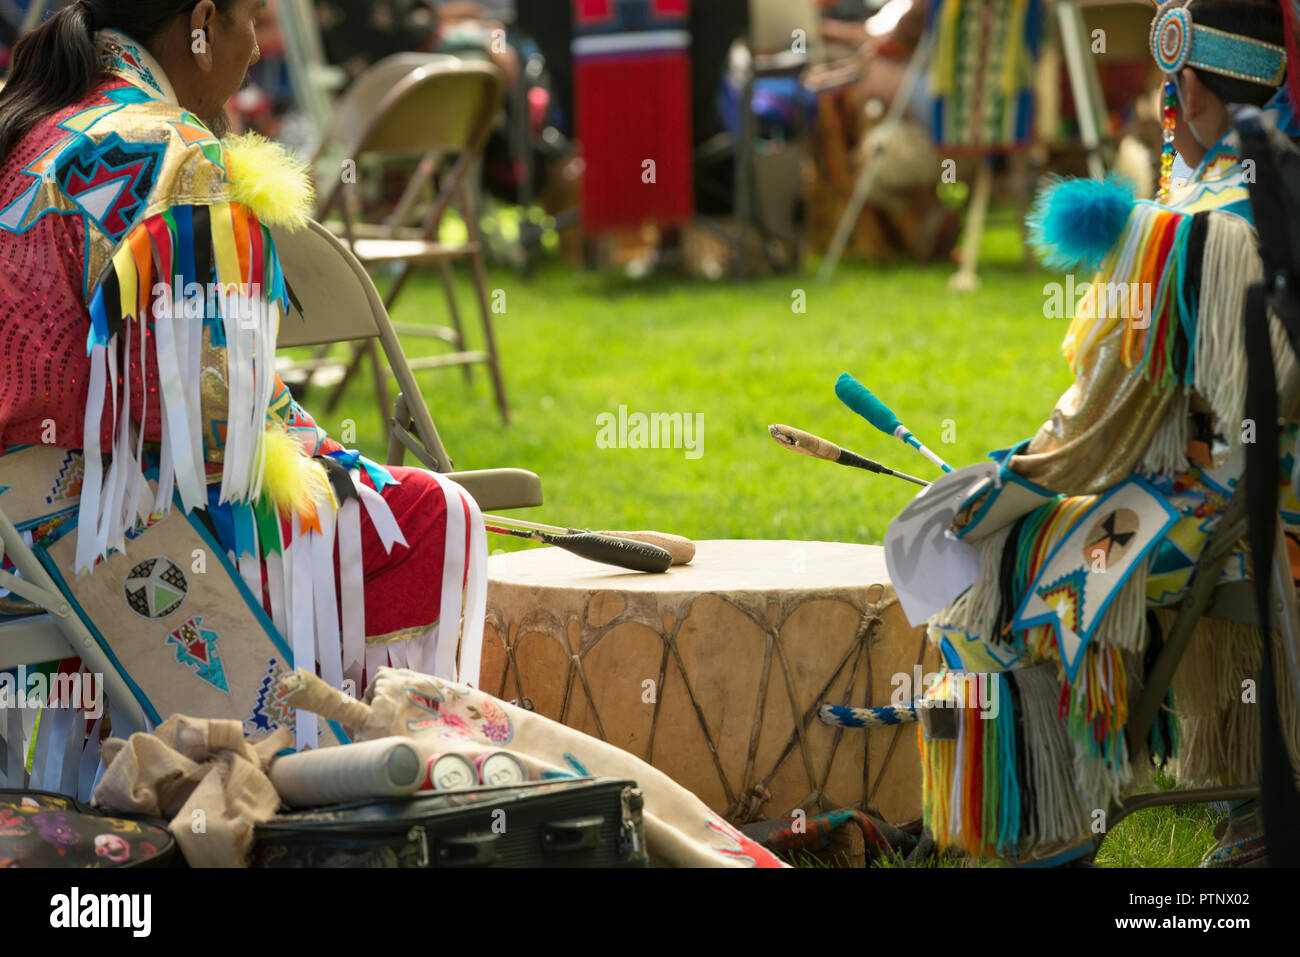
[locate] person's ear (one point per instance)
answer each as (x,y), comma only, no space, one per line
(202,18)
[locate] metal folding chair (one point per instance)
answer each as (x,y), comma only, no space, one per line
(336,301)
(783,39)
(1234,602)
(435,109)
(55,631)
(1207,598)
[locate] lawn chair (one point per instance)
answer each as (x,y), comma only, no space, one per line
(332,288)
(433,108)
(39,624)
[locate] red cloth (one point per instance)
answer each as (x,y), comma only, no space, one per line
(404,587)
(632,104)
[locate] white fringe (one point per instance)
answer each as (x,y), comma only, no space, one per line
(975,611)
(1230,265)
(1058,816)
(1124,624)
(1167,453)
(1218,731)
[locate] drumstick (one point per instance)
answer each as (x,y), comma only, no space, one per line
(858,398)
(805,443)
(682,549)
(622,552)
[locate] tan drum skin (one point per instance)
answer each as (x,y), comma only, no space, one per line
(703,670)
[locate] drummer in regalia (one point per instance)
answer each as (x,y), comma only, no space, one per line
(1129,476)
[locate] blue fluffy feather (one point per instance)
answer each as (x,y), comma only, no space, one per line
(1077,222)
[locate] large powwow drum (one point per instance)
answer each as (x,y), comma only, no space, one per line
(714,672)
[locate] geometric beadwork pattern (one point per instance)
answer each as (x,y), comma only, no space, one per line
(155,588)
(272,709)
(197,649)
(110,180)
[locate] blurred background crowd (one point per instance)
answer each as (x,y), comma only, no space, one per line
(782,104)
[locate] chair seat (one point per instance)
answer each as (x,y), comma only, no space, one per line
(500,489)
(372,231)
(1234,601)
(467,358)
(376,251)
(14,607)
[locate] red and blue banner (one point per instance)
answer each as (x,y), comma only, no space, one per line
(632,101)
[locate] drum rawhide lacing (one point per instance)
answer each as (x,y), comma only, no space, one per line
(756,773)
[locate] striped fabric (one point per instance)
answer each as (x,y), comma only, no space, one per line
(632,102)
(981,73)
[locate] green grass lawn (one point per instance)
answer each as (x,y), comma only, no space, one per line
(577,344)
(985,368)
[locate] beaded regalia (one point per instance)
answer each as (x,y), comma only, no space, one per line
(142,297)
(1086,536)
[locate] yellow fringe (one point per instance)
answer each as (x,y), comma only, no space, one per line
(269,181)
(294,482)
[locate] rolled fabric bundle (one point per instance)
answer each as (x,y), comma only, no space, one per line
(385,767)
(307,691)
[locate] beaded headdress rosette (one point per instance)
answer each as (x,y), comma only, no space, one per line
(1177,41)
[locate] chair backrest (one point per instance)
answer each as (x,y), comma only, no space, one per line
(360,101)
(772,24)
(415,103)
(62,633)
(336,301)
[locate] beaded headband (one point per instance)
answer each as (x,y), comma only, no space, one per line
(1178,42)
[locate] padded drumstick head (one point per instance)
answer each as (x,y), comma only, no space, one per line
(859,398)
(805,443)
(623,552)
(680,548)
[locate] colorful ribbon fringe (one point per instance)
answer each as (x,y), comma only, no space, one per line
(970,783)
(1159,252)
(161,277)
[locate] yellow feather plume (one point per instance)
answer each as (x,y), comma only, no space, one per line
(269,181)
(293,482)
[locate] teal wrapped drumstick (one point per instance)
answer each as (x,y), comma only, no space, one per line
(860,399)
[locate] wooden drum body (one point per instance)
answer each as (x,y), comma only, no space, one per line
(714,671)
